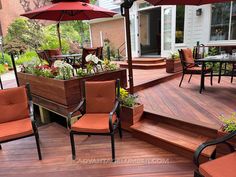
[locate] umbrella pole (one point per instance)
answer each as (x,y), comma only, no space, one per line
(59,34)
(129,50)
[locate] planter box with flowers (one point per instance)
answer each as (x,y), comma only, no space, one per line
(59,87)
(131,111)
(229,125)
(173,63)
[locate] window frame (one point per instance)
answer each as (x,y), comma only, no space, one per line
(229,30)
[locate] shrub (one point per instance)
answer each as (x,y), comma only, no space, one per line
(26,57)
(6,59)
(2,69)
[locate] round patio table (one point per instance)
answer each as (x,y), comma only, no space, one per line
(69,58)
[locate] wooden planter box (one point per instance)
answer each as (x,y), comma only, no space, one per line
(173,66)
(63,95)
(129,116)
(222,149)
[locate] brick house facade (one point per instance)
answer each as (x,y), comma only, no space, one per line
(9,11)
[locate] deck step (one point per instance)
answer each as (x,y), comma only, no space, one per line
(148,60)
(171,137)
(144,65)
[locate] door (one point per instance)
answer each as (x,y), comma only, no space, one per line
(168,31)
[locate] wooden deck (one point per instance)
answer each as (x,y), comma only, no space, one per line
(135,158)
(186,103)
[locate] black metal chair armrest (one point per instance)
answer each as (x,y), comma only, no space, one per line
(117,104)
(211,143)
(78,108)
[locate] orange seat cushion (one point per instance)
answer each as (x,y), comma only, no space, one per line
(15,129)
(188,56)
(220,167)
(93,123)
(13,104)
(100,96)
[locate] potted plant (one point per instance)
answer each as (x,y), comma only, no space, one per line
(173,63)
(229,125)
(131,110)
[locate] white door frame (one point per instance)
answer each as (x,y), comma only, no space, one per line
(165,53)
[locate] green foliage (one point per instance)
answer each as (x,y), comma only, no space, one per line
(212,51)
(65,73)
(229,122)
(123,94)
(26,57)
(2,69)
(25,32)
(108,66)
(127,99)
(174,56)
(80,72)
(5,59)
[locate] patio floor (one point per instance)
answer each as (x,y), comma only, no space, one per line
(134,157)
(186,103)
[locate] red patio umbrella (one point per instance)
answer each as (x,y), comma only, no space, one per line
(68,10)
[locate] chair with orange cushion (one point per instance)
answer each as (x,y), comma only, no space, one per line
(217,167)
(190,67)
(100,108)
(17,116)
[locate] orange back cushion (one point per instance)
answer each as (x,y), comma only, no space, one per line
(188,56)
(100,96)
(13,104)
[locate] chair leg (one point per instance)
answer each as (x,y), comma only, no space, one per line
(38,145)
(72,145)
(190,78)
(211,78)
(220,70)
(120,130)
(197,174)
(181,80)
(232,74)
(113,147)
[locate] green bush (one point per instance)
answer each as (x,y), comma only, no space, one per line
(26,57)
(2,69)
(6,59)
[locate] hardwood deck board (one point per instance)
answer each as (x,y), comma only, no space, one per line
(134,157)
(188,104)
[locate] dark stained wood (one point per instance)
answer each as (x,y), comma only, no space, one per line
(134,157)
(66,92)
(173,66)
(187,104)
(173,138)
(129,116)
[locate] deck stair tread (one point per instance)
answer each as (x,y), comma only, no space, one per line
(147,60)
(173,135)
(145,65)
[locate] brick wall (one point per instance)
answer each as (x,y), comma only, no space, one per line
(112,30)
(11,9)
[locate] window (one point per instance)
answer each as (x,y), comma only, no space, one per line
(223,21)
(179,32)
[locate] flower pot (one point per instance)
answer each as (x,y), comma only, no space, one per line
(129,116)
(173,66)
(222,149)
